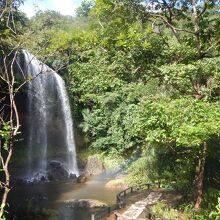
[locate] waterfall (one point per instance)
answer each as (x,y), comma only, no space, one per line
(67,117)
(49,122)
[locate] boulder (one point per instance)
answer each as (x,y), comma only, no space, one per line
(84,203)
(94,166)
(81,179)
(73,176)
(79,209)
(56,171)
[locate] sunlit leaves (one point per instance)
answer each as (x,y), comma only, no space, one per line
(199,78)
(5,134)
(186,122)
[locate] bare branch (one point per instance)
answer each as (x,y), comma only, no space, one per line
(169,9)
(212,46)
(170,25)
(205,5)
(101,24)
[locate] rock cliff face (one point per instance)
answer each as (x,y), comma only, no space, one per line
(94,166)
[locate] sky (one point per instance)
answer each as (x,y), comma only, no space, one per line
(65,7)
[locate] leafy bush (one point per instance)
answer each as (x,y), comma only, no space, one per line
(211,198)
(216,214)
(162,211)
(141,172)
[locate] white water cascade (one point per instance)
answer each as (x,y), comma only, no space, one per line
(49,121)
(68,122)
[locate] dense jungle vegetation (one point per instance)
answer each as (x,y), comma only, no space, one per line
(144,79)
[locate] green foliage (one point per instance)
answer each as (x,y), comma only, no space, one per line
(184,122)
(84,9)
(162,211)
(142,171)
(112,161)
(13,22)
(54,33)
(108,124)
(99,81)
(211,198)
(144,82)
(216,214)
(199,78)
(5,134)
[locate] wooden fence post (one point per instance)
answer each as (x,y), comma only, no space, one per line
(117,199)
(93,217)
(109,210)
(117,215)
(158,184)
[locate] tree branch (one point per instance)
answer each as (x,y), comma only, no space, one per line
(205,5)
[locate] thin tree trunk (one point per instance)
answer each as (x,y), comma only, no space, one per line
(200,176)
(6,187)
(195,20)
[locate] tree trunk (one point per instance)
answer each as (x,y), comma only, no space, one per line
(6,186)
(200,176)
(195,20)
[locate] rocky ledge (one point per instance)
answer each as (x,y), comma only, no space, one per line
(84,203)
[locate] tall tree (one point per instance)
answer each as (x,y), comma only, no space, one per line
(9,118)
(84,9)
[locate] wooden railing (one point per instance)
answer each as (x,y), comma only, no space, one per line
(106,211)
(120,196)
(120,201)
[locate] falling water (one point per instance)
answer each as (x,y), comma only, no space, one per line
(46,96)
(67,117)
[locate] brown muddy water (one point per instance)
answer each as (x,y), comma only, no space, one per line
(29,201)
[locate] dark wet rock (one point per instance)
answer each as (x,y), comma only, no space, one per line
(94,166)
(56,171)
(84,203)
(43,179)
(67,213)
(37,177)
(81,179)
(73,176)
(36,214)
(19,182)
(80,209)
(32,208)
